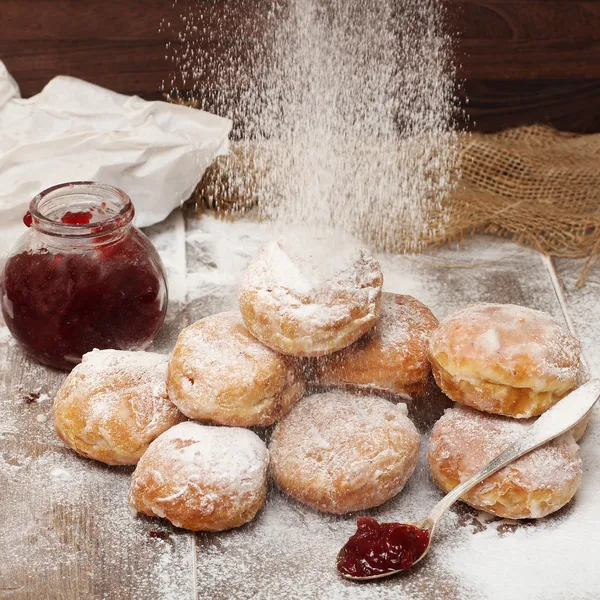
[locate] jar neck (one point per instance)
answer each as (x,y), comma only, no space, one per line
(81,212)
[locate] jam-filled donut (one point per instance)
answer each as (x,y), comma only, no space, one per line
(504,359)
(339,453)
(219,373)
(113,404)
(302,298)
(202,478)
(392,357)
(535,485)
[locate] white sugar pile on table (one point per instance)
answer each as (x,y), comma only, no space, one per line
(350,102)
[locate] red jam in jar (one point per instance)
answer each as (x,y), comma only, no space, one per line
(82,277)
(379,548)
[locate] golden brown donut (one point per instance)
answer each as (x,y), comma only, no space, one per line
(504,359)
(219,373)
(392,357)
(113,404)
(202,478)
(308,297)
(339,452)
(535,485)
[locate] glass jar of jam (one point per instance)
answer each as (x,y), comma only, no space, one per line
(82,277)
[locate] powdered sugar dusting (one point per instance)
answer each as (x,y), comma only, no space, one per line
(324,460)
(114,403)
(221,374)
(300,298)
(473,438)
(200,468)
(305,276)
(233,458)
(43,521)
(505,343)
(221,353)
(399,320)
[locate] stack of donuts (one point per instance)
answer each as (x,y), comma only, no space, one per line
(504,365)
(315,362)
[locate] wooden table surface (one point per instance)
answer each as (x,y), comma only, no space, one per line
(67,532)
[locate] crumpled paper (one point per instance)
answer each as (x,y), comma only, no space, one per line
(76,131)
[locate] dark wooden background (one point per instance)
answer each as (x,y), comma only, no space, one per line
(522,61)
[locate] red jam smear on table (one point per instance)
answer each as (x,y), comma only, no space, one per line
(60,306)
(378,548)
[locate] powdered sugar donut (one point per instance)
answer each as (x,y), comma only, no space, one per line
(202,478)
(339,453)
(504,359)
(310,297)
(392,357)
(219,373)
(113,404)
(535,485)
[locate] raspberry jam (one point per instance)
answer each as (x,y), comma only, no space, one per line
(77,218)
(82,277)
(378,548)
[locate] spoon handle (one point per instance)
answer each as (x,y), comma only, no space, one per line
(564,415)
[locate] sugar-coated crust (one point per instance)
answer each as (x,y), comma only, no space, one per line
(113,404)
(494,398)
(504,359)
(339,453)
(202,478)
(219,373)
(299,313)
(392,357)
(541,482)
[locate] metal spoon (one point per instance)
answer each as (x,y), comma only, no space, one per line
(564,415)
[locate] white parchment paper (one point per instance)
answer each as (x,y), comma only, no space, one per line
(75,131)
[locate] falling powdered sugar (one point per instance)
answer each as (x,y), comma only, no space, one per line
(347,108)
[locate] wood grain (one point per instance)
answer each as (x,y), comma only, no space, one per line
(527,40)
(494,105)
(547,51)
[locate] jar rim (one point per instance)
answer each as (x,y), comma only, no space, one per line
(92,190)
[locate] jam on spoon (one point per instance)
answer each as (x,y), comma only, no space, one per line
(379,548)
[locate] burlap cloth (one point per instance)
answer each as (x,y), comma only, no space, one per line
(534,185)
